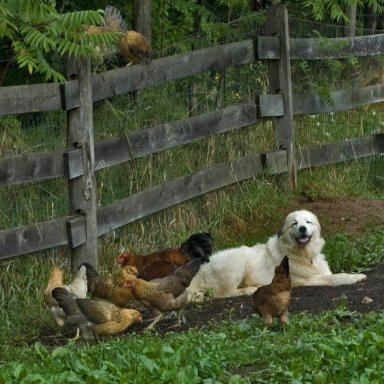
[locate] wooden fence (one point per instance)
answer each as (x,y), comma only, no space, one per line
(79,162)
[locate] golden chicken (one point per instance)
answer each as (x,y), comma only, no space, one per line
(111,288)
(55,279)
(134,48)
(163,263)
(94,318)
(78,286)
(273,300)
(168,293)
(132,45)
(124,274)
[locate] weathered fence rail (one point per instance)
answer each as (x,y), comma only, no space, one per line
(45,97)
(268,48)
(85,222)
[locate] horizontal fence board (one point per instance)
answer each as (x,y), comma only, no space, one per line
(169,135)
(37,167)
(30,98)
(155,199)
(340,100)
(33,238)
(334,48)
(54,233)
(46,97)
(123,80)
(268,48)
(354,149)
(34,167)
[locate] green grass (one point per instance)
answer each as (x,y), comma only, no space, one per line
(335,347)
(346,253)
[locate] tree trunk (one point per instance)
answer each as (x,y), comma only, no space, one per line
(350,28)
(142,18)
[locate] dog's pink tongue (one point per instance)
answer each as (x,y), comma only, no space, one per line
(303,239)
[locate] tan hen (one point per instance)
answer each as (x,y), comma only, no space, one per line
(95,318)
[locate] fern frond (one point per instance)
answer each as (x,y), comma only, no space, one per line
(45,68)
(37,39)
(377,6)
(37,29)
(7,26)
(25,57)
(79,19)
(337,13)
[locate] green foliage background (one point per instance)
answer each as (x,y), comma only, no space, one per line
(338,346)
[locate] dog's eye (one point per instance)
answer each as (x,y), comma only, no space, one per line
(309,222)
(294,223)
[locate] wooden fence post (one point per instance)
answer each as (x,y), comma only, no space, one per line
(280,82)
(82,189)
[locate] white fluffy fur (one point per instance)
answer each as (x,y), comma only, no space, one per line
(239,271)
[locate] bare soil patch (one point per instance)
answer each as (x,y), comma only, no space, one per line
(350,216)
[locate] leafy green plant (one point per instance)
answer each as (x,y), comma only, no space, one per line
(339,346)
(38,31)
(336,10)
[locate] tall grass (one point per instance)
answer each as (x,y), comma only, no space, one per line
(244,213)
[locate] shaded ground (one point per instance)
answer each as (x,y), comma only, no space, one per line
(304,299)
(346,216)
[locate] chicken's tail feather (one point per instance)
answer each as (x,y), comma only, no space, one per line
(63,297)
(61,294)
(198,245)
(81,273)
(188,271)
(114,20)
(92,275)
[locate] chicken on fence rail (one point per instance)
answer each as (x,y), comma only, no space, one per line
(169,293)
(132,45)
(273,300)
(94,318)
(164,262)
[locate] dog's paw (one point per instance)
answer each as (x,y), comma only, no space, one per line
(359,277)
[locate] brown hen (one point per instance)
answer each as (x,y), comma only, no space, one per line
(132,45)
(164,262)
(95,318)
(273,300)
(111,288)
(168,293)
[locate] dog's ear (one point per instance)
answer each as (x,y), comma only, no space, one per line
(280,231)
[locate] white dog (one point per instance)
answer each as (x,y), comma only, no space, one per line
(240,271)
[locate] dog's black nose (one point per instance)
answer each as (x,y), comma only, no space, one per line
(303,229)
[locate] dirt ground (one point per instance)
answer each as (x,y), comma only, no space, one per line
(343,216)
